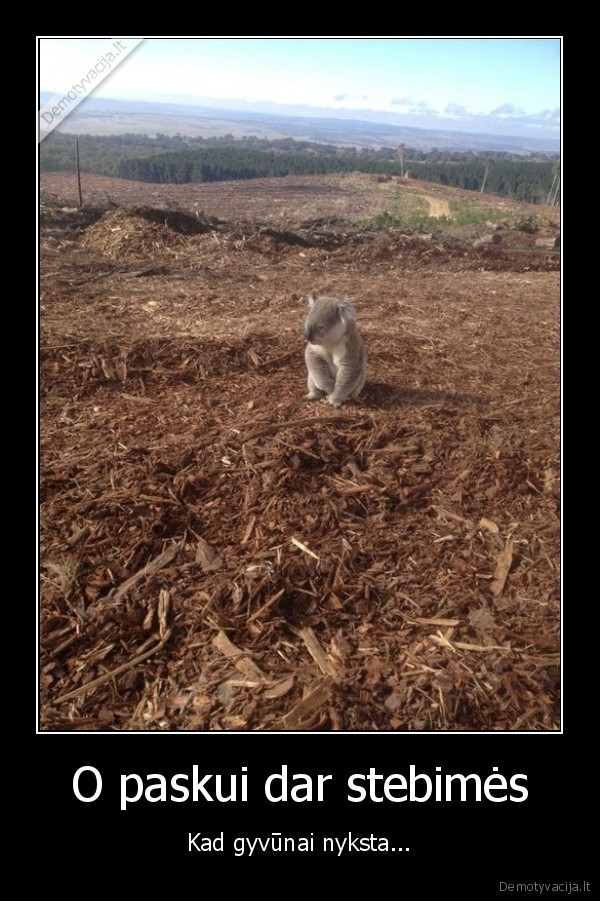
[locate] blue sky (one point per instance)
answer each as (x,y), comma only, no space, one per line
(508,84)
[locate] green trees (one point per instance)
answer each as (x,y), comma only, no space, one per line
(179,159)
(527,180)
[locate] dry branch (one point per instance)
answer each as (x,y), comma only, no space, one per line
(149,569)
(149,401)
(241,659)
(106,677)
(503,564)
(299,716)
(266,606)
(303,547)
(323,661)
(207,557)
(275,427)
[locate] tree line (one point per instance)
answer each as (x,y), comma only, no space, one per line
(525,180)
(179,159)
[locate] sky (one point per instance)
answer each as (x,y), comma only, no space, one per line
(505,84)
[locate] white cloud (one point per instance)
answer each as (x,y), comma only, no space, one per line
(455,109)
(507,109)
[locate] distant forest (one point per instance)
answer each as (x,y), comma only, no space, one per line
(178,159)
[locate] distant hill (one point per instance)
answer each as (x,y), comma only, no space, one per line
(97,116)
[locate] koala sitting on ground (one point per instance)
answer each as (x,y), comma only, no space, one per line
(336,357)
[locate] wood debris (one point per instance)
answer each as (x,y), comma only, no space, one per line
(216,554)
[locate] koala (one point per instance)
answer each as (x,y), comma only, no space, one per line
(336,357)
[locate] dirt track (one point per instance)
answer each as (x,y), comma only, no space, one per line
(216,553)
(439,208)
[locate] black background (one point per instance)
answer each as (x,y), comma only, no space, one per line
(463,848)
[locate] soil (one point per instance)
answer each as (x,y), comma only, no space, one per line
(217,553)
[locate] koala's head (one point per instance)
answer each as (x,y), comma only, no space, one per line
(327,319)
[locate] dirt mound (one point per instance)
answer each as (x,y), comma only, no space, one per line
(142,231)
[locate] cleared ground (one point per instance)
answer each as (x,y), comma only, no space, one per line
(217,553)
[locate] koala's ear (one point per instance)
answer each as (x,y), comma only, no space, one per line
(346,311)
(312,298)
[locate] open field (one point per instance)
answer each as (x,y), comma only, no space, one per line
(218,554)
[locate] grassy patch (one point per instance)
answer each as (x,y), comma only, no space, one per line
(414,212)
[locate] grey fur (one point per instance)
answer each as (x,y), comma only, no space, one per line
(336,357)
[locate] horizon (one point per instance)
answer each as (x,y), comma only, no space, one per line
(474,85)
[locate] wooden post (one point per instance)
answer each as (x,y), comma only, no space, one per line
(400,156)
(78,172)
(485,175)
